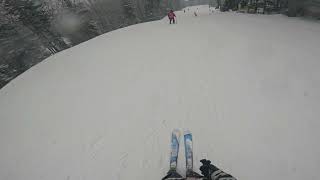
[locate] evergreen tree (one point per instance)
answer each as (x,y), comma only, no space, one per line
(31,15)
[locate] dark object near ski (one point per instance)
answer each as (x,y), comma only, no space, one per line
(211,172)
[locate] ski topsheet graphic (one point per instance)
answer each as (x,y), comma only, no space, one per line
(175,140)
(188,149)
(190,174)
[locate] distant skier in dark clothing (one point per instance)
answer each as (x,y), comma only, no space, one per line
(171,17)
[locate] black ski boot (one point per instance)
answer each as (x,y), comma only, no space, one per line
(191,175)
(173,175)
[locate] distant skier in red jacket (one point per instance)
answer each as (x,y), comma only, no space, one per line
(171,17)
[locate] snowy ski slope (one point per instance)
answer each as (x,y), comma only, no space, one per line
(247,86)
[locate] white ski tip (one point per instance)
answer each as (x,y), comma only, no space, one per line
(176,130)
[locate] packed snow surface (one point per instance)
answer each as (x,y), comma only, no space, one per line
(247,86)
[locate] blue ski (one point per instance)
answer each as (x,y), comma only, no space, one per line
(172,173)
(190,174)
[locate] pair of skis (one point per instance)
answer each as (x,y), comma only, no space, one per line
(175,141)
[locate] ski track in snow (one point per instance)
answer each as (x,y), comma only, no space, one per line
(247,86)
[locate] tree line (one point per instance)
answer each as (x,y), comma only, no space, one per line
(31,30)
